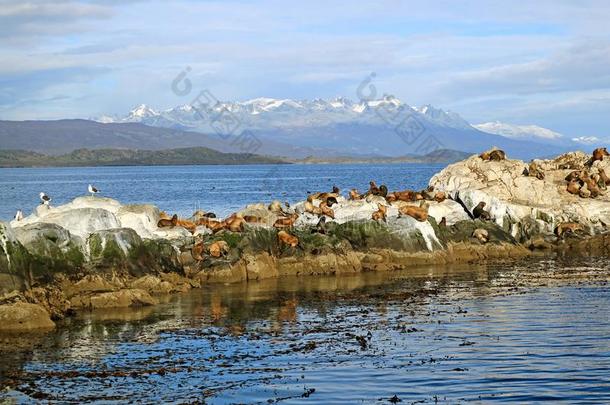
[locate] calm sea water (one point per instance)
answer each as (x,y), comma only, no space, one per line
(184,189)
(521,333)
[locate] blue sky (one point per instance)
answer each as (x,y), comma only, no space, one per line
(543,62)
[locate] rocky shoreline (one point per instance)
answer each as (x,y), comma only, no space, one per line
(95,252)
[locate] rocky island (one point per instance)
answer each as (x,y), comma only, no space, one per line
(95,252)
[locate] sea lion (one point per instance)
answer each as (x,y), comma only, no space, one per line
(163,222)
(354,195)
(495,155)
(235,223)
(330,201)
(481,234)
(286,222)
(440,196)
(188,225)
(573,187)
(584,191)
(592,186)
(218,249)
(603,176)
(480,212)
(568,228)
(287,239)
(443,222)
(336,190)
(381,213)
(312,209)
(534,171)
(373,189)
(598,154)
(276,207)
(383,190)
(419,213)
(197,251)
(428,193)
(326,210)
(407,195)
(252,219)
(390,197)
(576,175)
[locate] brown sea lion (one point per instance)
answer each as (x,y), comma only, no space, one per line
(383,190)
(419,213)
(354,195)
(603,176)
(440,196)
(373,189)
(598,154)
(592,186)
(480,212)
(252,219)
(197,251)
(287,239)
(235,223)
(286,222)
(568,228)
(534,171)
(326,210)
(163,222)
(390,197)
(312,209)
(188,225)
(573,187)
(407,195)
(276,207)
(218,249)
(381,213)
(576,175)
(481,234)
(497,155)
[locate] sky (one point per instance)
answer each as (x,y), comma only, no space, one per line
(544,62)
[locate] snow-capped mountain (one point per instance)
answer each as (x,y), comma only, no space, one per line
(384,126)
(519,131)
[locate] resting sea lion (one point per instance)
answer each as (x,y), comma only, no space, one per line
(354,195)
(330,201)
(591,184)
(168,222)
(497,155)
(534,171)
(326,210)
(568,228)
(287,239)
(381,213)
(480,212)
(197,251)
(576,175)
(219,248)
(584,191)
(286,222)
(440,196)
(573,187)
(235,223)
(419,213)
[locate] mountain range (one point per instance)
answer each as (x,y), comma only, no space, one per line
(382,127)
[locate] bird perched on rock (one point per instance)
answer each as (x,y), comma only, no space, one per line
(480,212)
(18,215)
(92,190)
(44,199)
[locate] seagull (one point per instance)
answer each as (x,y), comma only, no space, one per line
(93,190)
(45,199)
(18,215)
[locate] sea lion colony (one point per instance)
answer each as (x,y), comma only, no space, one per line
(583,182)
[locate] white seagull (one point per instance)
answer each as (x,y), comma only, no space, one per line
(18,215)
(93,190)
(45,199)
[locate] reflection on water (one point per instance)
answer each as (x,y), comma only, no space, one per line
(526,333)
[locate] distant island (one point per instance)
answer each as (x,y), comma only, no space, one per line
(131,157)
(195,156)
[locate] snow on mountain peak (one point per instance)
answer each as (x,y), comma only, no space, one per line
(518,131)
(142,111)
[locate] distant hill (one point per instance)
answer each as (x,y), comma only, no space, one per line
(64,136)
(124,157)
(437,156)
